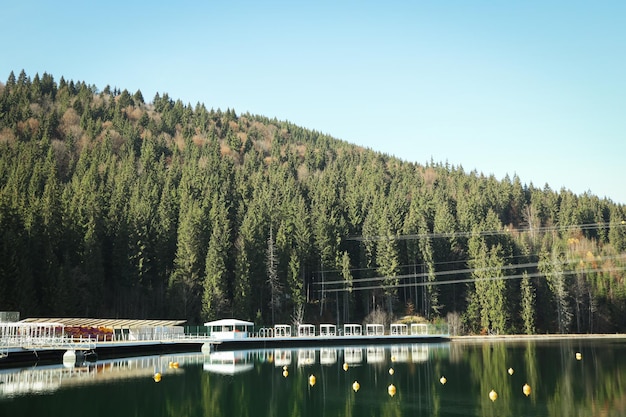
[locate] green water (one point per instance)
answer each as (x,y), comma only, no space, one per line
(252,383)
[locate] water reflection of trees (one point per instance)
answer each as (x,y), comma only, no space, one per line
(561,385)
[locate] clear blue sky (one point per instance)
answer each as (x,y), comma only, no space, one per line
(533,88)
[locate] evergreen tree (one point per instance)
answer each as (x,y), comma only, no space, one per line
(215,301)
(552,266)
(272,276)
(187,277)
(528,304)
(113,207)
(489,287)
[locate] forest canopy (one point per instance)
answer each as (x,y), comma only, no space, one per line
(111,206)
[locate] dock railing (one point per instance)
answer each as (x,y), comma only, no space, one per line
(4,349)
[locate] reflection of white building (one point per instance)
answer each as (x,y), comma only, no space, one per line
(229,329)
(419,353)
(352,355)
(375,354)
(228,363)
(282,357)
(49,378)
(306,357)
(400,353)
(328,356)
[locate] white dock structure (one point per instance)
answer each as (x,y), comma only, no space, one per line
(79,338)
(282,330)
(229,329)
(375,329)
(328,330)
(352,330)
(306,330)
(399,329)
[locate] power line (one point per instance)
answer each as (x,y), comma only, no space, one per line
(436,274)
(575,227)
(458,272)
(421,264)
(468,280)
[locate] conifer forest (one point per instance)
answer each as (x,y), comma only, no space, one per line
(112,205)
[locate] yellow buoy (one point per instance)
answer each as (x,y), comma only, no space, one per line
(391,390)
(356,386)
(493,395)
(443,380)
(393,359)
(345,366)
(526,390)
(175,365)
(312,380)
(510,371)
(157,377)
(579,356)
(391,371)
(285,373)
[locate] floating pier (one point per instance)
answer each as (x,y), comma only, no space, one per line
(236,334)
(80,340)
(67,340)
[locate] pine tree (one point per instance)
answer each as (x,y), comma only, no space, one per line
(489,285)
(552,266)
(215,302)
(187,277)
(273,282)
(528,304)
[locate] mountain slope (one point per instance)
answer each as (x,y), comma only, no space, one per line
(111,206)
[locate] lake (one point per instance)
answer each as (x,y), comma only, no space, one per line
(564,378)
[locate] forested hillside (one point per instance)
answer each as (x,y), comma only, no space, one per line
(112,206)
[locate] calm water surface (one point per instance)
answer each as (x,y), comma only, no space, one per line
(254,384)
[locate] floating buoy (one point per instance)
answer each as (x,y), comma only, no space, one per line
(345,366)
(173,364)
(510,371)
(493,395)
(69,359)
(443,380)
(391,371)
(526,390)
(579,356)
(393,359)
(391,390)
(285,368)
(312,380)
(356,386)
(285,373)
(157,377)
(206,348)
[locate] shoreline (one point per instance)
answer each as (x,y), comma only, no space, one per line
(536,337)
(27,356)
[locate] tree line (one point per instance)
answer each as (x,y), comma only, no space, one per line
(111,206)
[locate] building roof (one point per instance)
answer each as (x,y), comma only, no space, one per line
(229,322)
(110,323)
